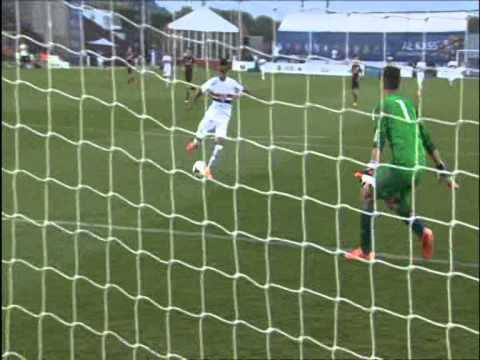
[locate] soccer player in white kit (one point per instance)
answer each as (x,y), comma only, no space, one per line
(223,91)
(421,67)
(167,68)
(24,55)
(454,72)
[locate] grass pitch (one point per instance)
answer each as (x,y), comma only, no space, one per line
(182,266)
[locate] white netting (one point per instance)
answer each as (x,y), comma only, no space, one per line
(469,60)
(234,234)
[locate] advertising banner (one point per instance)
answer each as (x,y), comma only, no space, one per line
(293,43)
(367,46)
(329,45)
(310,68)
(243,65)
(74,16)
(438,48)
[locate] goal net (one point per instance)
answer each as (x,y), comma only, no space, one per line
(113,248)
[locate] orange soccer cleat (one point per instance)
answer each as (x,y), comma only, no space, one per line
(208,173)
(192,147)
(427,242)
(357,254)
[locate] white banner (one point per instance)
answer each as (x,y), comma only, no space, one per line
(450,73)
(310,68)
(243,65)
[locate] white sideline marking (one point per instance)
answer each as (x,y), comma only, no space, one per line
(242,238)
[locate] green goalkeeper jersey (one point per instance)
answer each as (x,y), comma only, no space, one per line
(398,124)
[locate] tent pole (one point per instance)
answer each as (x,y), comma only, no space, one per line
(424,47)
(197,48)
(214,46)
(309,44)
(182,43)
(385,47)
(466,45)
(240,33)
(224,47)
(347,47)
(274,33)
(207,54)
(174,60)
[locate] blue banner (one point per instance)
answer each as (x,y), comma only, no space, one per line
(74,18)
(439,48)
(442,47)
(366,46)
(405,46)
(293,43)
(330,45)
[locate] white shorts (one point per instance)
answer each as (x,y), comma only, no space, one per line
(167,71)
(213,122)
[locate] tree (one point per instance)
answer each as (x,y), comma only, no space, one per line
(473,25)
(161,18)
(264,27)
(183,11)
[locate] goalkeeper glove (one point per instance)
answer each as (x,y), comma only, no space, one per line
(367,176)
(367,179)
(445,178)
(371,167)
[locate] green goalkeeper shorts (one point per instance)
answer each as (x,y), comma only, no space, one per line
(395,183)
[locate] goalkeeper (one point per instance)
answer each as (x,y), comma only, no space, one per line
(409,140)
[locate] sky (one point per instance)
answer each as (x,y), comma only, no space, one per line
(278,9)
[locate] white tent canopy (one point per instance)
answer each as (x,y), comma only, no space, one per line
(203,20)
(102,42)
(320,21)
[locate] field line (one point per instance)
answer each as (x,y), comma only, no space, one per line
(241,238)
(258,137)
(156,133)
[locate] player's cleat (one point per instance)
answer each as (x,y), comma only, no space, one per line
(357,254)
(448,180)
(427,241)
(208,173)
(354,104)
(445,178)
(192,147)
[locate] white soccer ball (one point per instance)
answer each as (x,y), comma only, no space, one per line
(199,168)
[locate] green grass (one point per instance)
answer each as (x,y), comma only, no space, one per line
(168,270)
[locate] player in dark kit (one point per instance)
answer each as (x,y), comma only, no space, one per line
(188,66)
(131,65)
(356,71)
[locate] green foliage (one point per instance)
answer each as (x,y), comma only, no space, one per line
(473,26)
(183,11)
(160,19)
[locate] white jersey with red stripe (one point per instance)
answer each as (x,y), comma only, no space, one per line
(218,114)
(222,92)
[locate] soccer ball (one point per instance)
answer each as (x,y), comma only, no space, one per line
(199,168)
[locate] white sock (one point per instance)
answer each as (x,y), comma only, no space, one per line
(215,155)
